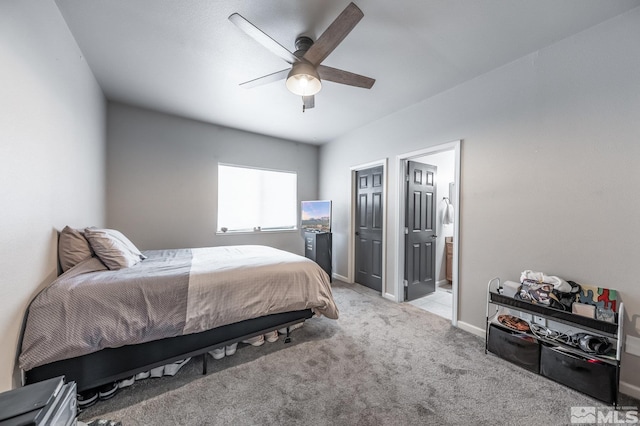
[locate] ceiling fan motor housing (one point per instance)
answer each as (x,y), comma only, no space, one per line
(303,43)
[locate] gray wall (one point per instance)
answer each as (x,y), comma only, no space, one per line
(162,178)
(52,141)
(549,169)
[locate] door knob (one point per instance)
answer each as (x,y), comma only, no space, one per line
(357,233)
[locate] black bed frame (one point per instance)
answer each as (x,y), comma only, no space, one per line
(114,364)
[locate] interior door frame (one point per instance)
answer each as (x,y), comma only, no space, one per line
(352,222)
(401,161)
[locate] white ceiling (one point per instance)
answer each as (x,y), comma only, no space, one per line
(184,57)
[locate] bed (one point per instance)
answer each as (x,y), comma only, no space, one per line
(96,325)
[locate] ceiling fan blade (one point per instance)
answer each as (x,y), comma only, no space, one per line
(345,77)
(308,102)
(333,35)
(266,79)
(259,36)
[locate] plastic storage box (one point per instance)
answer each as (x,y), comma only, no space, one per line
(519,348)
(594,377)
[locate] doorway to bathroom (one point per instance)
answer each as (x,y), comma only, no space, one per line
(428,260)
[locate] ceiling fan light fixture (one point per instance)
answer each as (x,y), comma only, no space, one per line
(303,79)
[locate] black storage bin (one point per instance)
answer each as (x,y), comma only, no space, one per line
(519,348)
(590,376)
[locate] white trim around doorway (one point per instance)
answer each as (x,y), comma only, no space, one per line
(352,221)
(400,209)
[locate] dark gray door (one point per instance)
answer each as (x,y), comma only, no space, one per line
(420,230)
(369,226)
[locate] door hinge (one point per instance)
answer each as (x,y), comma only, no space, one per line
(407,178)
(406,231)
(406,283)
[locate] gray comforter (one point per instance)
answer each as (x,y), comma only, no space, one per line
(171,293)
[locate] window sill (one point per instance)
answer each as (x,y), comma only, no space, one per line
(263,231)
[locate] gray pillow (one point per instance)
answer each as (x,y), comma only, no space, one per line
(113,248)
(73,248)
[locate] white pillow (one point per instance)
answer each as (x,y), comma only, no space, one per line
(113,248)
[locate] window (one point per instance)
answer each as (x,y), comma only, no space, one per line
(256,199)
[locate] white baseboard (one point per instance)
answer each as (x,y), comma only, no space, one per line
(340,277)
(480,332)
(441,283)
(390,297)
(629,389)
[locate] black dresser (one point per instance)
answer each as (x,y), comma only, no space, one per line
(317,247)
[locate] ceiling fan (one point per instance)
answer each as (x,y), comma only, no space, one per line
(305,76)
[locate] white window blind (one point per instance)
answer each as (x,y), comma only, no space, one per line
(252,199)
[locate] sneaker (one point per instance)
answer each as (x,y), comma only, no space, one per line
(291,328)
(157,372)
(231,349)
(107,391)
(143,375)
(126,382)
(172,369)
(255,341)
(102,422)
(217,353)
(87,398)
(271,336)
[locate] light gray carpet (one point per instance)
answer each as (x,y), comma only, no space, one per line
(381,363)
